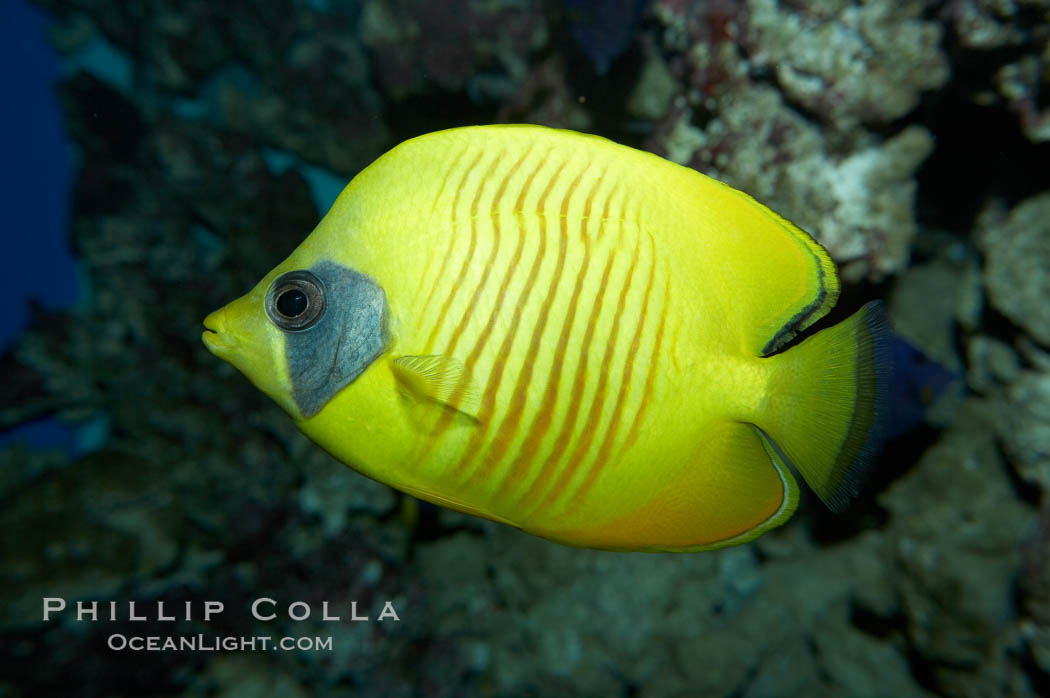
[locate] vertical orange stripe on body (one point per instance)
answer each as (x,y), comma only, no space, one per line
(507,429)
(602,456)
(605,209)
(541,423)
(450,350)
(466,260)
(580,381)
(446,418)
(451,237)
(536,490)
(488,397)
(594,414)
(482,340)
(650,379)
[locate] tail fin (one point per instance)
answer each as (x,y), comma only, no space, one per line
(828,404)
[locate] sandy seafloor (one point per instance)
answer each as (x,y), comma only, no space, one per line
(912,138)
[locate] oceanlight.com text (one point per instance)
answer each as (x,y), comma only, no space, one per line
(210,643)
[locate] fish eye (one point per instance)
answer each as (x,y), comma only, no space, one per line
(296,301)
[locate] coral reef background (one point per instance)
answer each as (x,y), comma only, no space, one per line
(912,138)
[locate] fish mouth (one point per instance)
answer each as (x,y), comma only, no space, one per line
(215,336)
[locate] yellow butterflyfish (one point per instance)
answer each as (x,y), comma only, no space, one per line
(570,336)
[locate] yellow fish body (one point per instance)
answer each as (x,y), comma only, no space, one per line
(570,336)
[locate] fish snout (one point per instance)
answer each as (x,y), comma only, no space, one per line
(216,335)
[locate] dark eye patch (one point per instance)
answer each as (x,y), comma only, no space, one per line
(350,334)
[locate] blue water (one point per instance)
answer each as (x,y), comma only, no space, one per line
(36,178)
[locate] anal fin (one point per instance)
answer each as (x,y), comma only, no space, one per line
(730,491)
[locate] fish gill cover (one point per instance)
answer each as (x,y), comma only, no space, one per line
(909,138)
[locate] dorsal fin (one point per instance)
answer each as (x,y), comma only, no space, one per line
(779,280)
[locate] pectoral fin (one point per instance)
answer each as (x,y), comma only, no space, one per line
(441,379)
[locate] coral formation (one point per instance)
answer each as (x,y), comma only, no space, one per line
(1015,34)
(1017,267)
(751,81)
(850,63)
